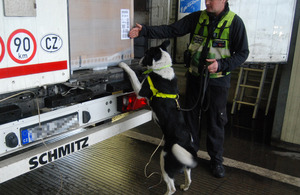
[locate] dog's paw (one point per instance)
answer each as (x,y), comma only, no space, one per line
(123,65)
(170,192)
(184,187)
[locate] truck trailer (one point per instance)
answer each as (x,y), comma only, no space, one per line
(61,90)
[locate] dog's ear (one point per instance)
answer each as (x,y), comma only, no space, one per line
(165,44)
(154,53)
(157,54)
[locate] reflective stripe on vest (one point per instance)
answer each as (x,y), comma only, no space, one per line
(218,44)
(156,93)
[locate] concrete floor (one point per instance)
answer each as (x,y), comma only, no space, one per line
(116,166)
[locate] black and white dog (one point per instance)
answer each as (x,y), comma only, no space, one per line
(160,88)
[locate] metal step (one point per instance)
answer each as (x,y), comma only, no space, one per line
(249,86)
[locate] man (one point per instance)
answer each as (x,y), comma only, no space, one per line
(219,41)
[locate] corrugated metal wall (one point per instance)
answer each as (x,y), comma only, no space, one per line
(291,124)
(161,13)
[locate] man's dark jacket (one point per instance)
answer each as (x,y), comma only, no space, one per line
(238,42)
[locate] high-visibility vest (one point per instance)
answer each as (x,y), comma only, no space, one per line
(218,44)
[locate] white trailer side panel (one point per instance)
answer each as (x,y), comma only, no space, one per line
(99,33)
(33,44)
(269,27)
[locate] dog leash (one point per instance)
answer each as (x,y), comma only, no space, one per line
(145,169)
(201,96)
(202,92)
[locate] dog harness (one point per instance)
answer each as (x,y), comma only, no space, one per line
(156,93)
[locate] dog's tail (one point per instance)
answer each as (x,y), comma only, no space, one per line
(183,156)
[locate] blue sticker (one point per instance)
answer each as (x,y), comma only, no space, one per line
(25,136)
(189,6)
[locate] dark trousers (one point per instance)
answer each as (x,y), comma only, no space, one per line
(216,100)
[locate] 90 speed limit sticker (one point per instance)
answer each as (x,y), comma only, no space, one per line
(21,46)
(2,50)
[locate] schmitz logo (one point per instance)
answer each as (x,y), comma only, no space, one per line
(57,153)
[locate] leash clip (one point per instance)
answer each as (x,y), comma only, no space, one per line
(177,102)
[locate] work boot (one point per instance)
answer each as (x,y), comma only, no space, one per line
(218,170)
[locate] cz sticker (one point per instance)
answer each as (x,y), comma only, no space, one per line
(51,43)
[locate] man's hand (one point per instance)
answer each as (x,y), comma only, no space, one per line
(135,31)
(213,67)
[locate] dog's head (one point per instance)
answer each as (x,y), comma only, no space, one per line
(157,57)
